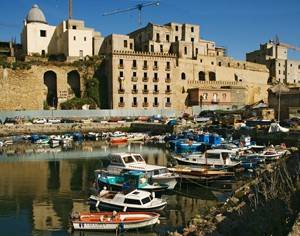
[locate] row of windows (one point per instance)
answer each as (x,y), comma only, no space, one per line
(126,44)
(145,100)
(204,96)
(201,76)
(291,65)
(145,64)
(134,75)
(155,88)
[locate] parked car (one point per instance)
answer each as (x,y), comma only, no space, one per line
(54,120)
(39,121)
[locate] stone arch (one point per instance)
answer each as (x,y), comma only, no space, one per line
(201,75)
(212,76)
(74,83)
(50,81)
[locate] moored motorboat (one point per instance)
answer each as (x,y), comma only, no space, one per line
(213,158)
(129,180)
(110,221)
(136,200)
(122,162)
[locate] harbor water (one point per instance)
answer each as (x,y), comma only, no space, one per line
(39,190)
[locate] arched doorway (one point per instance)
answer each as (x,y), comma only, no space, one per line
(50,81)
(74,83)
(212,76)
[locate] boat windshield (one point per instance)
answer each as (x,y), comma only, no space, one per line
(213,156)
(138,158)
(128,159)
(146,200)
(132,201)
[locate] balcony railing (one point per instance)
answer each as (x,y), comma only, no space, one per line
(155,79)
(134,79)
(145,79)
(155,91)
(145,67)
(155,67)
(121,78)
(121,91)
(121,104)
(145,104)
(134,104)
(168,104)
(145,91)
(168,91)
(167,80)
(134,91)
(155,104)
(168,68)
(134,67)
(121,66)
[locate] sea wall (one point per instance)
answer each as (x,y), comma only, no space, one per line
(267,205)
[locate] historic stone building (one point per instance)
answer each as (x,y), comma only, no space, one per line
(70,37)
(170,66)
(275,56)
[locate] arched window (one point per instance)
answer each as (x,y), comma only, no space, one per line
(201,76)
(183,76)
(212,76)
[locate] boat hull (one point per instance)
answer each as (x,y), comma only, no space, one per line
(112,225)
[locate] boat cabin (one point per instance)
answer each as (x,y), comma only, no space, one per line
(124,159)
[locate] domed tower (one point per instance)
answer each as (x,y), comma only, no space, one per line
(35,14)
(36,34)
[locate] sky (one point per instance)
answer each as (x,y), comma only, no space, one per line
(239,25)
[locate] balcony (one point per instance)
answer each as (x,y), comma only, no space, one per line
(145,104)
(155,104)
(145,79)
(145,67)
(155,67)
(145,91)
(134,91)
(134,67)
(121,78)
(168,104)
(121,91)
(155,79)
(134,104)
(155,91)
(168,91)
(168,68)
(121,104)
(134,79)
(168,80)
(121,66)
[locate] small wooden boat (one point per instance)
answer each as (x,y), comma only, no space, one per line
(118,140)
(197,173)
(111,221)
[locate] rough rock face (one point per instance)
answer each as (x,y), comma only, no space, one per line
(267,205)
(296,228)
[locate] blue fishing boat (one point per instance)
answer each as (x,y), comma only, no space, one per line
(128,181)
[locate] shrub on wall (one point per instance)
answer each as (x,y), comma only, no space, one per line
(77,103)
(92,90)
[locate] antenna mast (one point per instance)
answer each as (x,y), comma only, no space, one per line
(70,9)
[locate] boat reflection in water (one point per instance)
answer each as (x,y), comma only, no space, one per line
(39,191)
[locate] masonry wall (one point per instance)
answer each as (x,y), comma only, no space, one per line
(25,89)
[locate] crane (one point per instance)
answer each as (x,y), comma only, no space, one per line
(278,43)
(138,7)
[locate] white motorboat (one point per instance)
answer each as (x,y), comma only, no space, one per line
(215,158)
(136,200)
(122,162)
(272,154)
(110,221)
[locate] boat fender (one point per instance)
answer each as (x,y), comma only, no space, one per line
(97,204)
(125,208)
(153,194)
(75,215)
